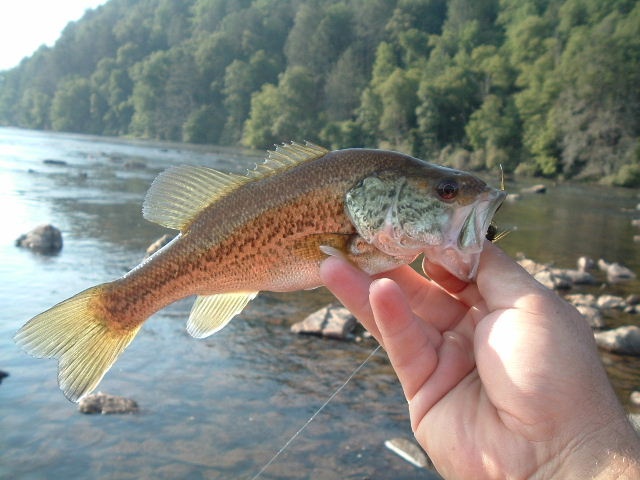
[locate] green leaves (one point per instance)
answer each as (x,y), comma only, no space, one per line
(539,86)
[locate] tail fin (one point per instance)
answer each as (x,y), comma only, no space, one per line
(85,344)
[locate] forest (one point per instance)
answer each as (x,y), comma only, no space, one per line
(540,87)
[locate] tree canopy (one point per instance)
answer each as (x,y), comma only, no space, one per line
(548,87)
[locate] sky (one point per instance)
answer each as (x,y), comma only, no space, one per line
(25,25)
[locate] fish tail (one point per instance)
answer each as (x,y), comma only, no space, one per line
(81,335)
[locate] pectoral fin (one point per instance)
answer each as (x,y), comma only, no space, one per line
(212,313)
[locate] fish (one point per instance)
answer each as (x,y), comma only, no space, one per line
(267,230)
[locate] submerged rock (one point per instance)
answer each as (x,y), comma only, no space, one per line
(615,272)
(539,188)
(623,340)
(45,239)
(332,321)
(51,161)
(592,315)
(106,404)
(409,451)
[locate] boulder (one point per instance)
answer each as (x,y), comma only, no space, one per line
(539,188)
(615,272)
(552,281)
(158,244)
(52,161)
(586,263)
(574,277)
(332,321)
(45,239)
(608,302)
(585,299)
(622,340)
(591,315)
(409,451)
(106,404)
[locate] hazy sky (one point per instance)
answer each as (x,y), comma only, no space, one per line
(27,24)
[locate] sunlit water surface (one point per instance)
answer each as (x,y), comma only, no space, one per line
(219,407)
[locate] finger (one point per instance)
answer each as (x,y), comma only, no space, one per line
(427,299)
(410,343)
(350,285)
(502,282)
(455,362)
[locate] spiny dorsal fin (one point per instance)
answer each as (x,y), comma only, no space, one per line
(286,156)
(180,193)
(212,313)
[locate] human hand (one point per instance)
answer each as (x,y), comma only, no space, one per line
(502,377)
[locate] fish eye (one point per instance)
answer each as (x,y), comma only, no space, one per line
(447,189)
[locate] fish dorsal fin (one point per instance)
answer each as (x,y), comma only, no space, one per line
(212,313)
(180,193)
(285,157)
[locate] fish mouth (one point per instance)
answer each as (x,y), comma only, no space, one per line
(463,243)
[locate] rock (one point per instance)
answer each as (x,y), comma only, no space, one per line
(632,300)
(585,299)
(409,451)
(615,272)
(585,264)
(158,244)
(134,165)
(45,239)
(106,404)
(552,281)
(332,321)
(592,315)
(611,302)
(539,188)
(634,398)
(622,340)
(51,161)
(635,222)
(619,273)
(3,375)
(575,277)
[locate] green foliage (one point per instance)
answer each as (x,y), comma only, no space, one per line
(548,87)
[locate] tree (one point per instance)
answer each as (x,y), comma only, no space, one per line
(70,107)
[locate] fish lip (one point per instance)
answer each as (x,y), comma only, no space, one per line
(472,234)
(460,253)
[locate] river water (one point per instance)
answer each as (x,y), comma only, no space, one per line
(220,407)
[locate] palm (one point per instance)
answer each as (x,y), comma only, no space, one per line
(481,364)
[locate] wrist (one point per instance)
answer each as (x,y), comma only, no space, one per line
(611,453)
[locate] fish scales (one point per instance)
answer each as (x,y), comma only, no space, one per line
(268,230)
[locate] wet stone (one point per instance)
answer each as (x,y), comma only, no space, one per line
(611,302)
(45,239)
(106,404)
(592,315)
(409,451)
(622,340)
(333,321)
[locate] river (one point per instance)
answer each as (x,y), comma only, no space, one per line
(223,406)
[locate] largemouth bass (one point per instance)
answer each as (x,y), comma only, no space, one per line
(267,230)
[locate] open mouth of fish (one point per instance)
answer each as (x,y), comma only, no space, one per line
(462,244)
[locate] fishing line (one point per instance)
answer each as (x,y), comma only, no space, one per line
(316,413)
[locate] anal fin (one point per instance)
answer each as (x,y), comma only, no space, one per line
(212,313)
